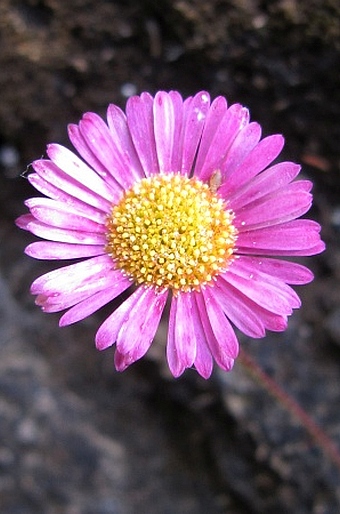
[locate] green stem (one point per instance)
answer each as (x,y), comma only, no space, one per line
(272,387)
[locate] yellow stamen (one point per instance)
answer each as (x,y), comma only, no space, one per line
(171,231)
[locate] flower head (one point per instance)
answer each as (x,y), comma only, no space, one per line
(175,201)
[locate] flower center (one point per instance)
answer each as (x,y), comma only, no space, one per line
(171,231)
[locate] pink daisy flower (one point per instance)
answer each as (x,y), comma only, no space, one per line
(175,201)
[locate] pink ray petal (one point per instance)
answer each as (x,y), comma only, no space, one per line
(121,361)
(291,202)
(58,214)
(203,361)
(73,276)
(318,248)
(213,118)
(108,331)
(195,112)
(177,149)
(270,293)
(176,366)
(236,308)
(121,137)
(243,145)
(30,223)
(234,120)
(242,268)
(139,113)
(61,302)
(289,272)
(225,342)
(270,180)
(53,182)
(166,129)
(60,196)
(181,345)
(220,326)
(61,299)
(60,251)
(68,162)
(99,139)
(139,328)
(142,298)
(87,307)
(257,160)
(242,311)
(297,237)
(89,153)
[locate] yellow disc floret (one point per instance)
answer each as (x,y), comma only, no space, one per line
(171,231)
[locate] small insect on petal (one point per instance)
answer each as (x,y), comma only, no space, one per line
(215,181)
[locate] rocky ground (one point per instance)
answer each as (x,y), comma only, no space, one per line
(76,437)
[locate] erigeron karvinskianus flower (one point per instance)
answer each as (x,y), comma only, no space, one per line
(175,201)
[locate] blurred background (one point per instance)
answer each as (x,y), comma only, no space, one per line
(76,437)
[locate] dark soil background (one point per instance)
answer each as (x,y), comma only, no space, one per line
(76,437)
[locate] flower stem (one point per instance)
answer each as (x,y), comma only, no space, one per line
(318,435)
